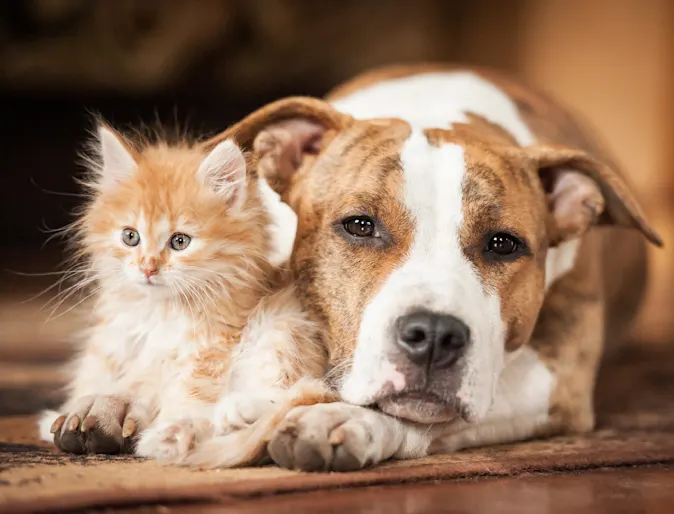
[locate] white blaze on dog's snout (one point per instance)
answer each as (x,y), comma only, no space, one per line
(436,276)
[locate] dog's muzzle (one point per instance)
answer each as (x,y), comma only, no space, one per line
(429,350)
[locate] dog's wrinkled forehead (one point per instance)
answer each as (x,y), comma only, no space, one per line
(379,164)
(362,165)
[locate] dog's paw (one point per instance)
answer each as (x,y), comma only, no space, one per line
(99,424)
(326,437)
(239,410)
(170,441)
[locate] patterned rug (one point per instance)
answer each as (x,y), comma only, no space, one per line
(635,402)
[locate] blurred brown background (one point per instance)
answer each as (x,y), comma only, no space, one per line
(209,62)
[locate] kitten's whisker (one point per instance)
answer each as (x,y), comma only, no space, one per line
(210,289)
(63,296)
(198,297)
(216,293)
(52,318)
(65,276)
(52,192)
(337,371)
(41,274)
(62,232)
(56,306)
(194,319)
(189,306)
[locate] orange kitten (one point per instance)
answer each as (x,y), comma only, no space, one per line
(178,240)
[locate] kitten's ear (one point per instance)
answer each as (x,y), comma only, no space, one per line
(116,159)
(286,134)
(224,170)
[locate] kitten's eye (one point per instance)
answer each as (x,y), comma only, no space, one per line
(503,245)
(130,237)
(180,241)
(360,226)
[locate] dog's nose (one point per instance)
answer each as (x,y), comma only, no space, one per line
(426,336)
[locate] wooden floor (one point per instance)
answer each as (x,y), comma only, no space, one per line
(645,490)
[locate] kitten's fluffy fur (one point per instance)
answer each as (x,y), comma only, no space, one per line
(171,357)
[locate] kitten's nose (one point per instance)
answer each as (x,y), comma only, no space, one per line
(150,267)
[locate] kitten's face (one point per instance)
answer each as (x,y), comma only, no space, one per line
(172,220)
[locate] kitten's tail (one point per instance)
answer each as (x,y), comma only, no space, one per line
(47,418)
(248,446)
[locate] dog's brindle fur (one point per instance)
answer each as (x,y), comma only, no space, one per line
(328,165)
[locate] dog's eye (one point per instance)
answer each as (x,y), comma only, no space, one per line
(130,237)
(360,226)
(180,241)
(503,244)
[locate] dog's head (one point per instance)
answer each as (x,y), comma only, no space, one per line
(424,251)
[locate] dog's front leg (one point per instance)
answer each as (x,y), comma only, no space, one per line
(572,351)
(343,437)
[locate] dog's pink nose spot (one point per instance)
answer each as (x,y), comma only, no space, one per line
(395,377)
(398,381)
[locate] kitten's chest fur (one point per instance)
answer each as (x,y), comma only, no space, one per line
(151,344)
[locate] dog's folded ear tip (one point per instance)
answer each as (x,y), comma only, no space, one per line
(651,235)
(655,239)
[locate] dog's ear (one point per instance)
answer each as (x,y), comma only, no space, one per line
(582,192)
(284,133)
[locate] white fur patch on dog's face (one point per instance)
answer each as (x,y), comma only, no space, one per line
(436,100)
(282,227)
(436,276)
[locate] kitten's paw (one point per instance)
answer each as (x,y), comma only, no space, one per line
(170,441)
(99,424)
(238,410)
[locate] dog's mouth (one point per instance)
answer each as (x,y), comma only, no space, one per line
(419,407)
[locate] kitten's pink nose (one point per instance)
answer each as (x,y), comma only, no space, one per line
(150,267)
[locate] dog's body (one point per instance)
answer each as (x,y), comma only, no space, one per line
(443,241)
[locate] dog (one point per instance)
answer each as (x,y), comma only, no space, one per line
(462,240)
